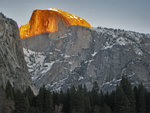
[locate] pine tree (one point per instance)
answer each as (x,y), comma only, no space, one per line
(141,102)
(44,101)
(96,109)
(72,99)
(94,95)
(127,88)
(21,103)
(95,87)
(66,102)
(29,94)
(87,105)
(9,91)
(40,100)
(147,102)
(110,99)
(102,100)
(77,100)
(27,104)
(106,109)
(48,102)
(61,97)
(55,98)
(121,101)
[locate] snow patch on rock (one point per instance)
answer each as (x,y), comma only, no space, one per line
(94,54)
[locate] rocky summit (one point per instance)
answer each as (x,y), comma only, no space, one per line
(13,67)
(82,55)
(49,21)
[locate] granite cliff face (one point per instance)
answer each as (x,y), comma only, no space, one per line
(13,67)
(62,50)
(83,55)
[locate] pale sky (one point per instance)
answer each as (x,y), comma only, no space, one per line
(131,15)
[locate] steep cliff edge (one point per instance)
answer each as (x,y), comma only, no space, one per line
(13,67)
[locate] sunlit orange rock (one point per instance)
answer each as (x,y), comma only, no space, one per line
(47,21)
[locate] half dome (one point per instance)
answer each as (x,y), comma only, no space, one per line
(47,21)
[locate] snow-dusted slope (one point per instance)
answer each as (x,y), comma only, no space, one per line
(84,55)
(36,63)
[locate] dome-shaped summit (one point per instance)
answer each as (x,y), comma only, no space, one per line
(47,21)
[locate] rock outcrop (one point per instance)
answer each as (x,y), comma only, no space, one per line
(13,67)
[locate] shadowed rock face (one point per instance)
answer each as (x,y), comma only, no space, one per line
(83,55)
(47,21)
(13,67)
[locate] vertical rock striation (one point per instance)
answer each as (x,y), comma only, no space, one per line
(13,67)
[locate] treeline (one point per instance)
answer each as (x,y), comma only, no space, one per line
(124,99)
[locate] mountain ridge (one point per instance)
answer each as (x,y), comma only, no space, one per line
(75,55)
(83,55)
